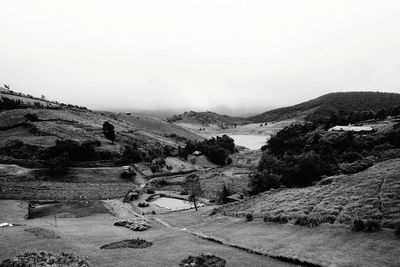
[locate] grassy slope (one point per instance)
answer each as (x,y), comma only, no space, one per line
(82,125)
(345,101)
(371,194)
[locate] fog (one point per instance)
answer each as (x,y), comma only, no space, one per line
(198,55)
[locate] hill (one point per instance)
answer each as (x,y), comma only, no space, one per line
(342,102)
(371,194)
(207,118)
(31,126)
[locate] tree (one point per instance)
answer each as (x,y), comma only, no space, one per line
(193,188)
(223,195)
(108,131)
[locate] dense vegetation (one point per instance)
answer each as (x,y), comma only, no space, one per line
(302,154)
(44,258)
(217,150)
(341,104)
(206,118)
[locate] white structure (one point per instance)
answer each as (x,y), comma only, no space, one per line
(351,128)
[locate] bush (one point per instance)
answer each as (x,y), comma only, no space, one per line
(32,117)
(128,175)
(249,217)
(357,166)
(58,166)
(276,219)
(357,225)
(307,221)
(223,195)
(44,258)
(372,226)
(263,181)
(76,151)
(131,155)
(397,230)
(143,205)
(150,190)
(203,260)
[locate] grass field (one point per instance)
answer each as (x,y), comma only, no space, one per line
(86,235)
(326,245)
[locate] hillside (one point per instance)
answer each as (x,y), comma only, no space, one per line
(342,102)
(207,118)
(30,126)
(371,194)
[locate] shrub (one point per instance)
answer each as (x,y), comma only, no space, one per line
(32,117)
(276,219)
(249,217)
(203,260)
(131,154)
(58,166)
(357,166)
(307,221)
(150,190)
(357,225)
(263,181)
(44,258)
(108,131)
(76,151)
(143,205)
(397,230)
(128,175)
(372,226)
(223,195)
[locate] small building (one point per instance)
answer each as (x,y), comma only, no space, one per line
(235,197)
(197,153)
(351,128)
(131,196)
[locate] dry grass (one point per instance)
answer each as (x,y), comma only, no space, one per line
(372,194)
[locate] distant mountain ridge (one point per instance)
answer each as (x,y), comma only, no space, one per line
(341,102)
(323,106)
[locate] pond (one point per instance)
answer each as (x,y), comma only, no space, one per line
(174,204)
(252,142)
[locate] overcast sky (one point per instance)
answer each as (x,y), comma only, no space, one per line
(198,54)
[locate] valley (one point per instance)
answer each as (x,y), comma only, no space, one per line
(60,172)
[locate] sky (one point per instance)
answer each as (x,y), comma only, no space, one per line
(198,55)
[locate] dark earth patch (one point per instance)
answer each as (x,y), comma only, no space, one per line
(130,243)
(72,209)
